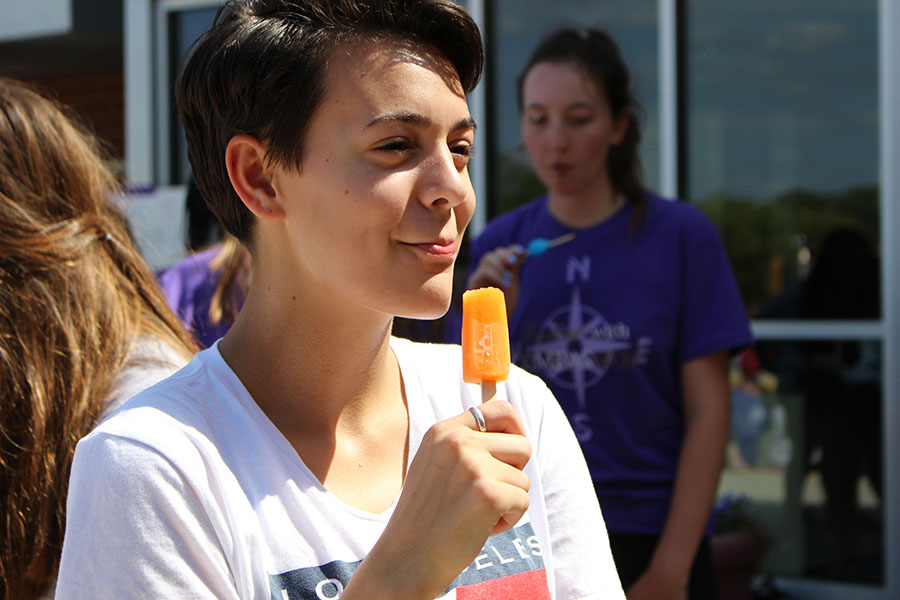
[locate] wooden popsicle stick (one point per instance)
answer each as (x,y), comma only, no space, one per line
(488,391)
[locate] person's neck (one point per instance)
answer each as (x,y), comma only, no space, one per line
(310,363)
(585,208)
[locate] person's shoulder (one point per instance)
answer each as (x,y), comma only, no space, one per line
(677,215)
(526,385)
(175,402)
(532,399)
(151,360)
(674,209)
(163,429)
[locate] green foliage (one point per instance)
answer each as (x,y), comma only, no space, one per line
(769,242)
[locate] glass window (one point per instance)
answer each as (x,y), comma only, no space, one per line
(782,126)
(806,456)
(185,26)
(514,29)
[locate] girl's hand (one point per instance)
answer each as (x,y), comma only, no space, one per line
(500,268)
(462,486)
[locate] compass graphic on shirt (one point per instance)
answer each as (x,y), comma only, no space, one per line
(576,346)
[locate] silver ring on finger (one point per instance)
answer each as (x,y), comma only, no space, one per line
(479,419)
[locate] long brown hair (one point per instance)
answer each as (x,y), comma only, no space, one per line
(74,295)
(233,260)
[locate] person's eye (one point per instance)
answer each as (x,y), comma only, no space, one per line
(462,149)
(580,119)
(399,145)
(462,152)
(537,119)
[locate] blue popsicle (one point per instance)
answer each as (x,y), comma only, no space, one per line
(536,247)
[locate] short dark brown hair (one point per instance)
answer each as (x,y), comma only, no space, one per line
(260,70)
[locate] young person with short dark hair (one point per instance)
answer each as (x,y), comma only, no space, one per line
(309,454)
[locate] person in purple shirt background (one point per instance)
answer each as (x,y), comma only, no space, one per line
(630,321)
(207,288)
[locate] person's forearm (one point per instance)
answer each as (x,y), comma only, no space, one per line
(373,581)
(696,481)
(707,412)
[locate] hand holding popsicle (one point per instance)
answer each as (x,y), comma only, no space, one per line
(485,339)
(462,487)
(536,247)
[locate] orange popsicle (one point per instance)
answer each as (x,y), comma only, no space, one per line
(485,339)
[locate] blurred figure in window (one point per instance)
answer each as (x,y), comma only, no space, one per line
(842,385)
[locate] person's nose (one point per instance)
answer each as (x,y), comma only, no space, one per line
(558,135)
(444,182)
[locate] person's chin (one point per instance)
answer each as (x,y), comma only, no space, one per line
(432,301)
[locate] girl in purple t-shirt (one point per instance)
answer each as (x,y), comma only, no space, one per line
(630,323)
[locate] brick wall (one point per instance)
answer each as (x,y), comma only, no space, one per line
(99,99)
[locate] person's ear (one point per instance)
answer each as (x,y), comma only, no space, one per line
(251,177)
(620,128)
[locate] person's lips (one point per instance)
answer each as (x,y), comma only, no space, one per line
(438,247)
(560,168)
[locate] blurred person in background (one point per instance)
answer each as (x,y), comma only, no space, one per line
(83,323)
(630,322)
(207,288)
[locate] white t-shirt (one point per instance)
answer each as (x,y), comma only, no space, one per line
(151,360)
(189,491)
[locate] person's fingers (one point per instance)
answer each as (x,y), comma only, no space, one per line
(495,267)
(503,438)
(490,272)
(501,417)
(514,450)
(512,475)
(517,502)
(480,423)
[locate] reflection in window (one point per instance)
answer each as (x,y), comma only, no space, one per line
(516,27)
(840,281)
(782,125)
(805,452)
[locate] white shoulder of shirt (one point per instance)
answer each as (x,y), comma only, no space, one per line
(151,361)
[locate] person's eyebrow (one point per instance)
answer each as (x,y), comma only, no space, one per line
(417,120)
(579,104)
(467,123)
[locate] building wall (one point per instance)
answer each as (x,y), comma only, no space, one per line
(97,98)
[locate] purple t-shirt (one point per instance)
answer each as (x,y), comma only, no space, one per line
(189,285)
(607,320)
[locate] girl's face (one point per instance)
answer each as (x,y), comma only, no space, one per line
(568,128)
(377,211)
